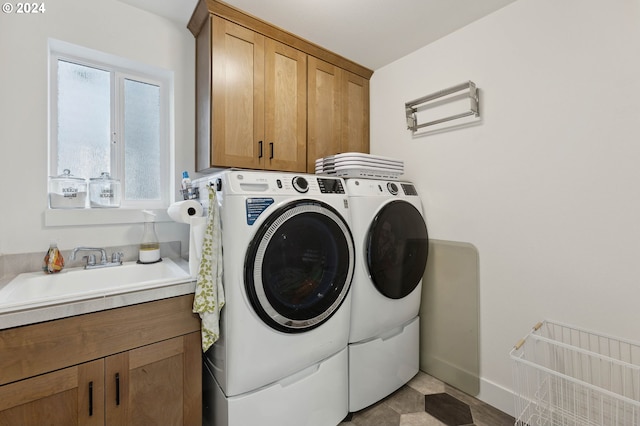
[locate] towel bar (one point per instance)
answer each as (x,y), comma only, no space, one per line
(411,110)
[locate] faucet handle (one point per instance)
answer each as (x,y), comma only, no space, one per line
(91,259)
(116,257)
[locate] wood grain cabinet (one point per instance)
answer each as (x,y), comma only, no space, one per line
(338,111)
(258,108)
(135,365)
(260,100)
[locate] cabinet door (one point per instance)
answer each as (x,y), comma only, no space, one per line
(338,111)
(156,384)
(323,113)
(71,396)
(355,113)
(237,107)
(285,107)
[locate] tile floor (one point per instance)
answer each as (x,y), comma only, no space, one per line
(426,401)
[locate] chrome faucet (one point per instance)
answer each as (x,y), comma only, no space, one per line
(116,258)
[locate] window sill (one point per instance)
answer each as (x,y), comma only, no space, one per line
(78,217)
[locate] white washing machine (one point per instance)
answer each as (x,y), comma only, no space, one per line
(288,263)
(392,246)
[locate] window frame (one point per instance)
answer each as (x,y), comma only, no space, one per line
(120,69)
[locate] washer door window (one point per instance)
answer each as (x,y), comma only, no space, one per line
(299,266)
(397,248)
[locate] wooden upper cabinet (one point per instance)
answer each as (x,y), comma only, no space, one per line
(257,103)
(285,108)
(338,111)
(355,113)
(237,96)
(324,110)
(267,99)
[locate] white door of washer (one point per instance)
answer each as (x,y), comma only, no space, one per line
(299,266)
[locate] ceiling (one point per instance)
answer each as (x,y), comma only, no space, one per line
(373,33)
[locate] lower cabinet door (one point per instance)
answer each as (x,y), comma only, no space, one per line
(71,396)
(155,384)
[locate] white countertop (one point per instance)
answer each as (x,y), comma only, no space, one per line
(97,302)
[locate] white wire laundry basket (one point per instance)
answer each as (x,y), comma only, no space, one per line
(567,376)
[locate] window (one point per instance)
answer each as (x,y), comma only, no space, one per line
(109,114)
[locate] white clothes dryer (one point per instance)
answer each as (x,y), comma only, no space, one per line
(392,245)
(289,258)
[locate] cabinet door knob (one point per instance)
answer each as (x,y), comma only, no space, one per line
(271,153)
(259,149)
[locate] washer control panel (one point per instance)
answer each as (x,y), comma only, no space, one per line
(330,186)
(273,183)
(302,185)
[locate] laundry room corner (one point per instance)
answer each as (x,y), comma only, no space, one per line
(541,185)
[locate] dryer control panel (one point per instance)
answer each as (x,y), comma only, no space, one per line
(380,188)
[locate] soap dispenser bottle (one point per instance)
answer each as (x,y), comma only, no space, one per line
(150,246)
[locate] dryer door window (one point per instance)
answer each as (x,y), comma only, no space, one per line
(299,266)
(397,248)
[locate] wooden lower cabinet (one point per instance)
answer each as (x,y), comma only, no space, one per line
(155,384)
(71,396)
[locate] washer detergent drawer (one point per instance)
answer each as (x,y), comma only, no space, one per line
(378,367)
(315,396)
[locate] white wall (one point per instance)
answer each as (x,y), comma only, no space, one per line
(547,185)
(106,25)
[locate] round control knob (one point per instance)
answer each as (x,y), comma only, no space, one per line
(393,188)
(300,184)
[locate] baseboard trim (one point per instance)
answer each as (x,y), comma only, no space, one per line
(497,396)
(453,375)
